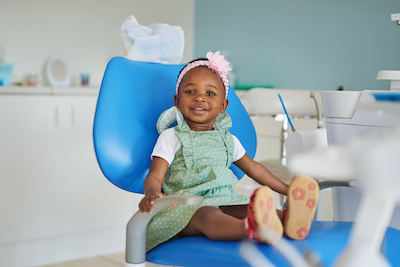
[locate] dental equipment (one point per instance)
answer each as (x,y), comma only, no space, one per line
(287,115)
(396,17)
(369,136)
(350,115)
(369,158)
(391,75)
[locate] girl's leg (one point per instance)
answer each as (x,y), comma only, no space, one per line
(240,211)
(237,211)
(231,223)
(215,224)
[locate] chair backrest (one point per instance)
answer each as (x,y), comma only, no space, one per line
(132,96)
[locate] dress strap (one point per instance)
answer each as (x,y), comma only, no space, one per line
(223,123)
(168,117)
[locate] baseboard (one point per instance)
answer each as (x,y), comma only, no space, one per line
(63,248)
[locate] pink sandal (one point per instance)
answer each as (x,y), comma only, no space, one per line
(303,195)
(262,222)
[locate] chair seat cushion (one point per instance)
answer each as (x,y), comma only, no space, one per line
(326,240)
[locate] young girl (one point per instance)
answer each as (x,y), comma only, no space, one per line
(194,157)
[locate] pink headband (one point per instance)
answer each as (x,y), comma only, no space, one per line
(216,62)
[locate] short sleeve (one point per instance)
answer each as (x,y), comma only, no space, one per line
(166,146)
(239,150)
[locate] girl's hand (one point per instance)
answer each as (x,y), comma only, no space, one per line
(146,204)
(152,184)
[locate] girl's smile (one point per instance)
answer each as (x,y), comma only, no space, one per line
(199,110)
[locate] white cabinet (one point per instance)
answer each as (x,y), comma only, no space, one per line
(55,203)
(30,160)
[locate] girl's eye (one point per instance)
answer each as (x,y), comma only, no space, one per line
(210,93)
(189,91)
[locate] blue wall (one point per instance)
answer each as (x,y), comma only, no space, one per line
(302,44)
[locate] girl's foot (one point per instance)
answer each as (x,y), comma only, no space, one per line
(303,194)
(262,222)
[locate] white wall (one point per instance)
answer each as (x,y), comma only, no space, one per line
(86,33)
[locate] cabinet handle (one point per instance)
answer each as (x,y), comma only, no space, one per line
(73,116)
(56,116)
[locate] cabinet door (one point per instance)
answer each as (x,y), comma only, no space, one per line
(31,190)
(93,202)
(51,184)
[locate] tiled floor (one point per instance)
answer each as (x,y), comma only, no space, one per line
(113,260)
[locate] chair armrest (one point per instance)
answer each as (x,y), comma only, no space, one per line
(334,183)
(136,228)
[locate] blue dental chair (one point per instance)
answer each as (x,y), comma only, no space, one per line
(132,96)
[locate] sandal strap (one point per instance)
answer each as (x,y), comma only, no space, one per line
(284,211)
(250,223)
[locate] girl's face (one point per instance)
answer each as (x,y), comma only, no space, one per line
(200,98)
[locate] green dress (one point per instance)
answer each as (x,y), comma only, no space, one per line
(200,167)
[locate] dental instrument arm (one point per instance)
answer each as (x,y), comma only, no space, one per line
(319,110)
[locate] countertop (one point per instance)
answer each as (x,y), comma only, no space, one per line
(46,90)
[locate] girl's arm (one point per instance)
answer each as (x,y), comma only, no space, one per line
(152,184)
(261,174)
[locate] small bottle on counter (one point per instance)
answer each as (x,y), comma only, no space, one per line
(85,79)
(32,79)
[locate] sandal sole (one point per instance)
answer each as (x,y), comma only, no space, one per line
(303,196)
(267,219)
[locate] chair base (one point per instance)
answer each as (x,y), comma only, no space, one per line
(135,264)
(144,264)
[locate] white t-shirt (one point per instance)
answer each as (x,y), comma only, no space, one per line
(168,144)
